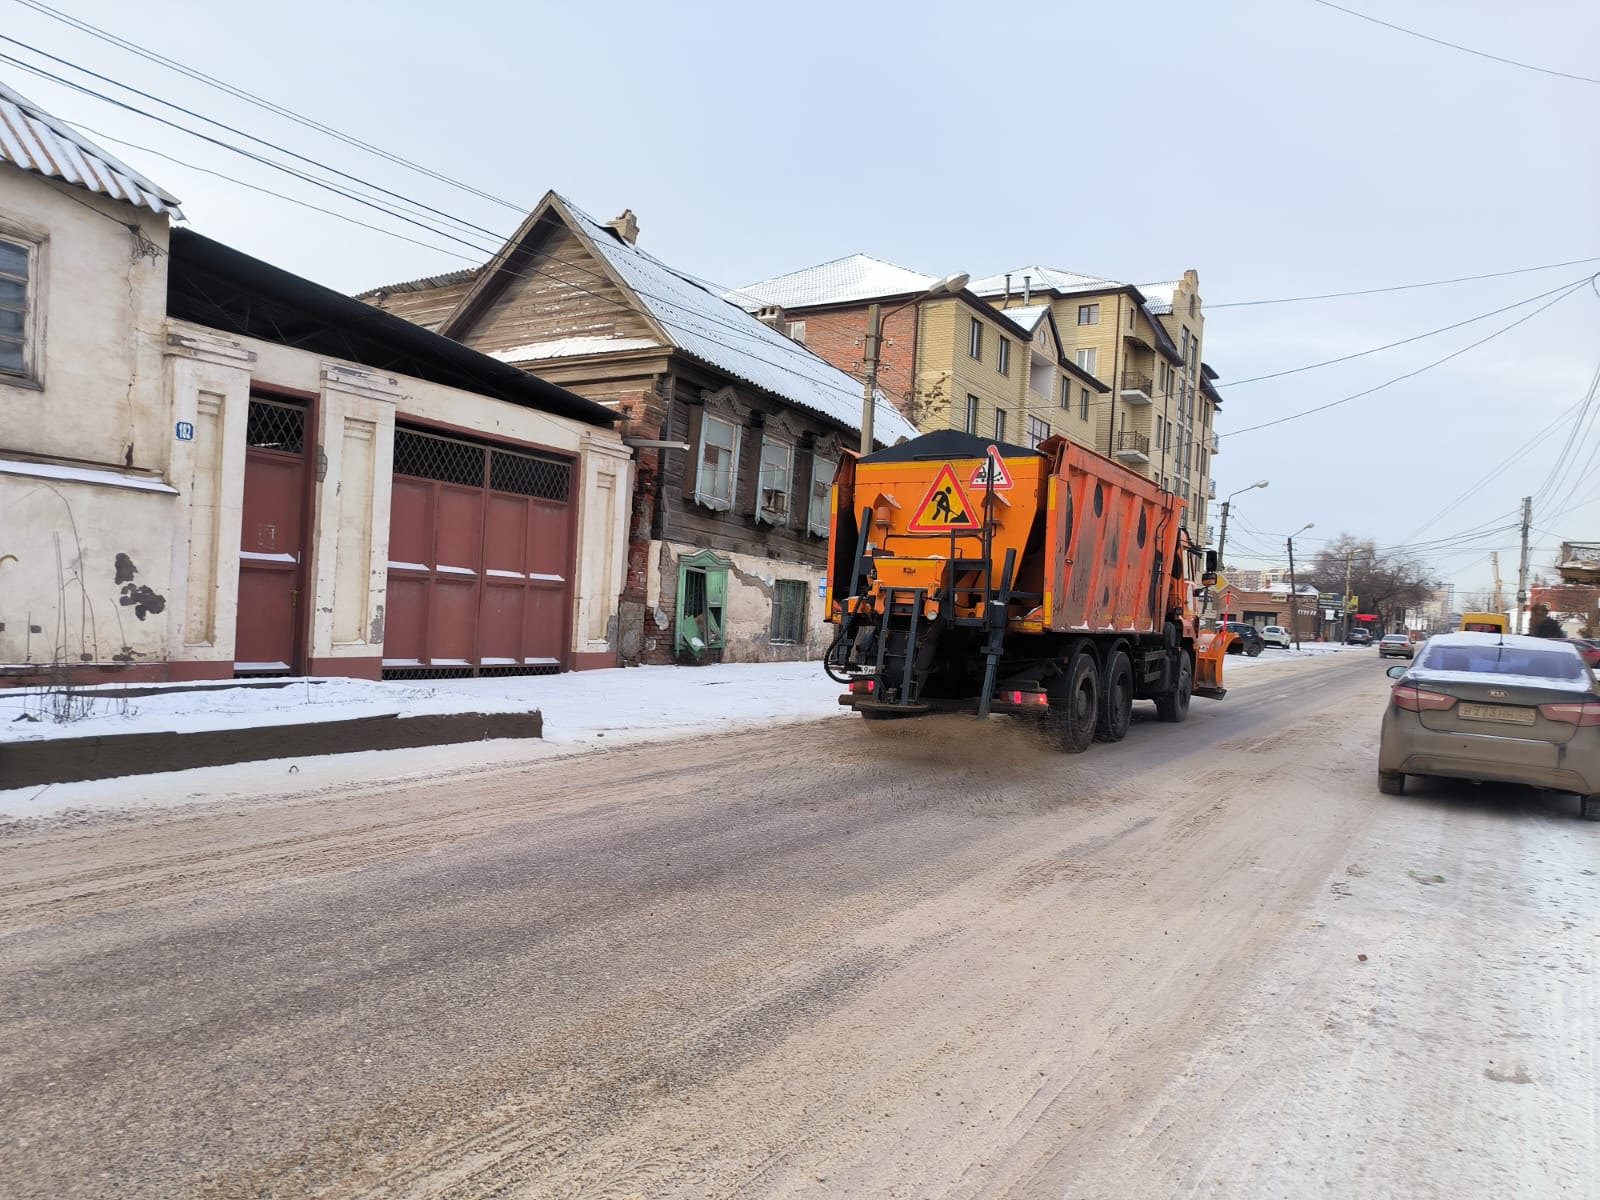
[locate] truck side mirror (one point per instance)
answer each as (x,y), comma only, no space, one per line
(1211,562)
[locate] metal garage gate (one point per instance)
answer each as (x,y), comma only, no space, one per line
(480,553)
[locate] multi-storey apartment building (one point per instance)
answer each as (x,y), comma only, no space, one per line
(1146,343)
(947,361)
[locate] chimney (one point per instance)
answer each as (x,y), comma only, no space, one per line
(625,227)
(772,316)
(1027,290)
(1007,300)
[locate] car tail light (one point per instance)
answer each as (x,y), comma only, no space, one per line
(1579,714)
(1415,699)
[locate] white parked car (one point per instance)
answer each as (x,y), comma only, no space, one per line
(1276,635)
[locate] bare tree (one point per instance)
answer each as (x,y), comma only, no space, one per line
(1386,583)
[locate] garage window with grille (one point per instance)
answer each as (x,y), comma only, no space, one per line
(16,274)
(822,471)
(772,498)
(789,611)
(719,455)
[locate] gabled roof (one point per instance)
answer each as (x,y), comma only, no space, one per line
(1027,319)
(698,323)
(32,139)
(215,285)
(1041,279)
(847,280)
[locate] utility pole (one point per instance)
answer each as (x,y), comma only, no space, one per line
(1294,600)
(1348,554)
(870,392)
(1222,539)
(1522,566)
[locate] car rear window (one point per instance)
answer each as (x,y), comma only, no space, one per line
(1505,660)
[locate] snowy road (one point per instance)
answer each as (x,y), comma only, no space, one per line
(825,960)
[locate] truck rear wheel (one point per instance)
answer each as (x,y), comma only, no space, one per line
(1075,705)
(1174,705)
(1116,699)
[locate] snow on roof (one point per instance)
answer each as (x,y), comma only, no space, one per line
(1040,279)
(842,281)
(572,347)
(723,335)
(1158,296)
(32,139)
(1027,319)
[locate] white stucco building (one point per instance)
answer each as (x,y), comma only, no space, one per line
(210,467)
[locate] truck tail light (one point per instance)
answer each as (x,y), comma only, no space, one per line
(1415,699)
(862,687)
(1579,714)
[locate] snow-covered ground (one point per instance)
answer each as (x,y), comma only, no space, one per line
(583,710)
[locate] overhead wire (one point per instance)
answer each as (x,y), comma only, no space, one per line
(1328,362)
(1401,287)
(1510,62)
(1563,294)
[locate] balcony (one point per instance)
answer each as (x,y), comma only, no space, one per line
(1137,388)
(1132,447)
(1211,489)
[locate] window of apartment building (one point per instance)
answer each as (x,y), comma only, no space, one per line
(1002,361)
(1185,347)
(719,456)
(1086,359)
(796,330)
(17,271)
(772,496)
(1038,430)
(1066,393)
(975,339)
(999,424)
(1088,314)
(972,414)
(822,470)
(1130,316)
(1083,404)
(1161,430)
(789,610)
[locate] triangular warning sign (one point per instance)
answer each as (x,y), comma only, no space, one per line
(992,467)
(945,507)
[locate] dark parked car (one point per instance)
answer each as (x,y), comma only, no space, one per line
(1250,641)
(1360,637)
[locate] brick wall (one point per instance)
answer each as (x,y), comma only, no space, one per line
(840,337)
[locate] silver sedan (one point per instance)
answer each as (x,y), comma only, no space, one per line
(1483,706)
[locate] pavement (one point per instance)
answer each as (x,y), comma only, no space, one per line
(820,959)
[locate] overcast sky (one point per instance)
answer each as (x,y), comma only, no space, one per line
(1278,147)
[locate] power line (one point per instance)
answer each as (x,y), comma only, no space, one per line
(1402,287)
(1571,289)
(1402,342)
(1510,62)
(250,98)
(494,256)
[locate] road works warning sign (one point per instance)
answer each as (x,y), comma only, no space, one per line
(945,507)
(993,467)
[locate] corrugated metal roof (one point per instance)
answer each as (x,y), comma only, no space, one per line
(1158,296)
(1027,319)
(32,139)
(845,280)
(426,284)
(1040,279)
(723,335)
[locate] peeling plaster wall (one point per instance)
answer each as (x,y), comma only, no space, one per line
(748,617)
(94,410)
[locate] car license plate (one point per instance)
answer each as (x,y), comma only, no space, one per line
(1497,712)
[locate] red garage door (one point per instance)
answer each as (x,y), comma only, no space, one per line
(480,549)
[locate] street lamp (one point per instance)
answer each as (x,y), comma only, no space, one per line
(949,285)
(1222,542)
(1294,588)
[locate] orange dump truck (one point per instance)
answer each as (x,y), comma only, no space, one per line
(969,575)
